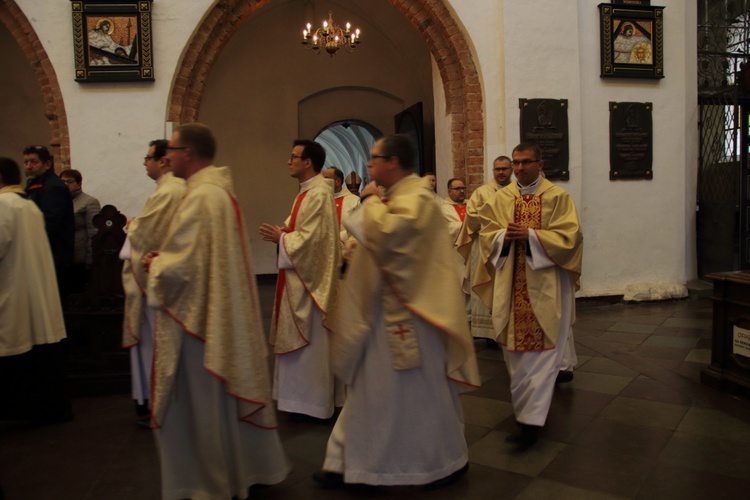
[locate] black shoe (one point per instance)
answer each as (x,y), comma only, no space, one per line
(492,344)
(564,376)
(524,438)
(329,480)
(447,479)
(143,423)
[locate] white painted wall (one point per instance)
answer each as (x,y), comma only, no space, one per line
(111,124)
(635,231)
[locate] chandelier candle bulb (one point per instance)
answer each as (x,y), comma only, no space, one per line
(331,36)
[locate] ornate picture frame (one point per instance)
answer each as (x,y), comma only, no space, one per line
(632,38)
(112,41)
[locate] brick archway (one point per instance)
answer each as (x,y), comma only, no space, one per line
(432,19)
(23,32)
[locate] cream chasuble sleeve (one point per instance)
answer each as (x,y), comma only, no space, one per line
(405,252)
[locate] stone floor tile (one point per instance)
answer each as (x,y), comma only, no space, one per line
(668,482)
(597,470)
(670,341)
(596,382)
(623,326)
(648,413)
(485,412)
(701,324)
(623,337)
(727,457)
(543,489)
(493,451)
(618,437)
(699,356)
(652,390)
(605,366)
(715,423)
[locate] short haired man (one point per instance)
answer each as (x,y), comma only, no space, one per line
(401,340)
(454,211)
(454,207)
(345,201)
(468,246)
(32,374)
(309,261)
(145,233)
(211,403)
(85,207)
(529,270)
(53,198)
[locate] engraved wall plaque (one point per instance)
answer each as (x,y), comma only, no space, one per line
(545,123)
(630,140)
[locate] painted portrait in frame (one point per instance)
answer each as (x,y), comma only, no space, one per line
(112,41)
(631,41)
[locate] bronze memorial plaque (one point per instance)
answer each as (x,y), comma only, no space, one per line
(630,140)
(544,122)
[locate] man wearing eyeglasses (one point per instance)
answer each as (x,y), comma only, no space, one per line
(145,233)
(52,197)
(309,261)
(401,342)
(454,211)
(211,406)
(529,269)
(468,246)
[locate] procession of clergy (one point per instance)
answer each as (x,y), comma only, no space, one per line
(378,300)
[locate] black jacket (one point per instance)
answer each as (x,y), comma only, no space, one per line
(53,198)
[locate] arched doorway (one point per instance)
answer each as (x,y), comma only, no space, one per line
(435,22)
(348,144)
(54,109)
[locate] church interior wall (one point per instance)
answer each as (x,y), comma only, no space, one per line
(531,49)
(257,101)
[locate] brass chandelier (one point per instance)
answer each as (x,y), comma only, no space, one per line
(330,37)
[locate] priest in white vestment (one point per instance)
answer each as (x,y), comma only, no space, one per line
(309,262)
(345,201)
(531,248)
(401,341)
(468,246)
(454,211)
(211,407)
(32,375)
(145,233)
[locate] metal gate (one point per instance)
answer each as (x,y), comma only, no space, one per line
(723,221)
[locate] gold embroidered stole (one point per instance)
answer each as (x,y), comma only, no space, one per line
(527,334)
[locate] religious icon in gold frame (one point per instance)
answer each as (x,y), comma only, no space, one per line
(632,40)
(112,41)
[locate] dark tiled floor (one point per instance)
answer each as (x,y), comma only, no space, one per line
(634,423)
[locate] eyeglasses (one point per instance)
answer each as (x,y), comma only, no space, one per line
(293,156)
(379,156)
(174,148)
(526,162)
(70,181)
(457,189)
(147,158)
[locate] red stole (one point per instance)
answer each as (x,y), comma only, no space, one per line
(461,211)
(281,280)
(528,335)
(339,206)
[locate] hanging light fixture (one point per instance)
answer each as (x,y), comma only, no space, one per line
(330,37)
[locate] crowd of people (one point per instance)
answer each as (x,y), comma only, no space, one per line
(379,299)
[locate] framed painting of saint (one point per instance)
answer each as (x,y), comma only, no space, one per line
(631,41)
(112,41)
